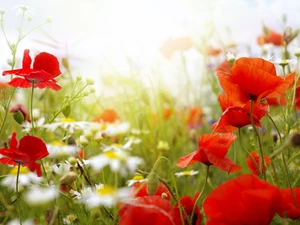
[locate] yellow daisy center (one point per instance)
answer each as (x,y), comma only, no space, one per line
(106,190)
(67,120)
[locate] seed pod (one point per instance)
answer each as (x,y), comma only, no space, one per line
(152,183)
(67,110)
(18,116)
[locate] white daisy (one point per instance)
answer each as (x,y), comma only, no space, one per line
(117,161)
(61,149)
(136,179)
(102,195)
(186,173)
(37,195)
(38,124)
(26,178)
(67,124)
(18,222)
(70,219)
(117,129)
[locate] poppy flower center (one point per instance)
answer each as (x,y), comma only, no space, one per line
(252,97)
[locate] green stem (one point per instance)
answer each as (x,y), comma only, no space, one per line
(258,139)
(251,156)
(288,179)
(274,124)
(200,195)
(31,107)
(17,181)
(6,110)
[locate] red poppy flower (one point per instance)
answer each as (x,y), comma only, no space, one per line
(270,37)
(194,118)
(212,151)
(108,116)
(27,152)
(291,211)
(253,79)
(147,210)
(45,69)
(244,200)
(225,66)
(141,190)
(188,205)
(234,117)
(252,165)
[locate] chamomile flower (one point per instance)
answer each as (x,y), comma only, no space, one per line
(104,195)
(136,131)
(117,161)
(67,124)
(61,149)
(38,124)
(61,168)
(70,219)
(26,178)
(37,195)
(117,129)
(115,147)
(18,222)
(136,179)
(186,173)
(133,140)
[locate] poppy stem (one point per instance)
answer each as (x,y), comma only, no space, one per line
(276,128)
(288,179)
(17,181)
(31,108)
(259,141)
(199,196)
(250,155)
(6,107)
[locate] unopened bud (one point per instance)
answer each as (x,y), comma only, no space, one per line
(164,195)
(65,62)
(163,146)
(18,117)
(72,160)
(68,178)
(48,19)
(152,183)
(66,111)
(2,11)
(83,141)
(90,81)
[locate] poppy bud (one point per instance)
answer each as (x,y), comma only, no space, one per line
(66,111)
(152,183)
(68,178)
(18,117)
(164,195)
(287,35)
(65,63)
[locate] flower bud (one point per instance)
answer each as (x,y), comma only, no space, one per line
(164,195)
(78,78)
(90,81)
(65,63)
(83,141)
(66,111)
(68,178)
(72,160)
(163,146)
(152,183)
(18,117)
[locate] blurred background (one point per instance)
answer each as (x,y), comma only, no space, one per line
(104,38)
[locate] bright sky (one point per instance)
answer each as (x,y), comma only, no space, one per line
(102,35)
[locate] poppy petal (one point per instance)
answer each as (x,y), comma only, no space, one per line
(188,159)
(20,82)
(34,147)
(48,63)
(26,60)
